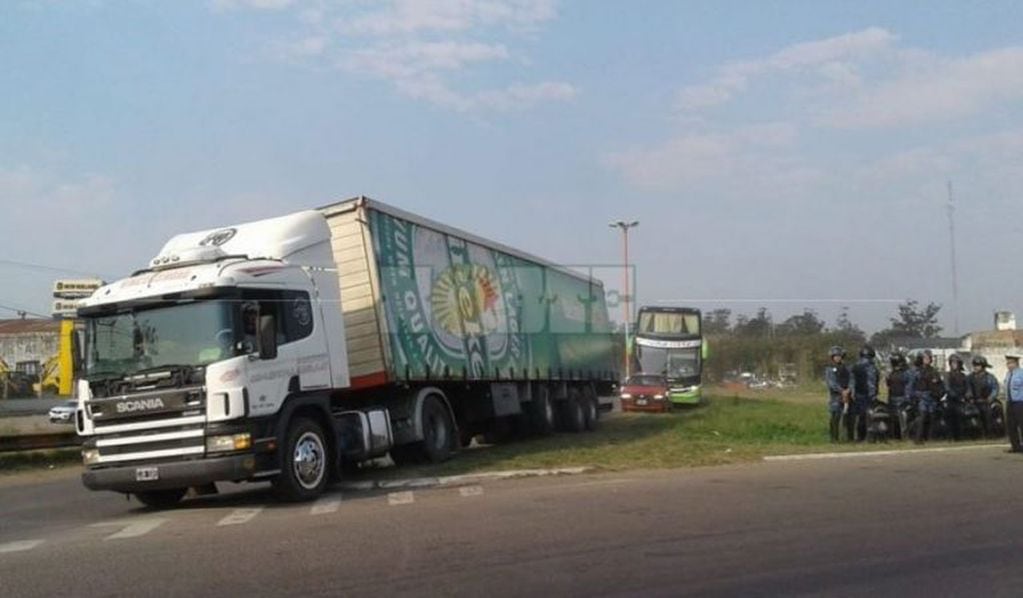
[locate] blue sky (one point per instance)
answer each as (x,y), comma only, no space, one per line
(788,154)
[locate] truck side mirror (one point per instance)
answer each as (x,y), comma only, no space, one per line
(267,337)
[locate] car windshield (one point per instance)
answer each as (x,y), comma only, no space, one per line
(181,334)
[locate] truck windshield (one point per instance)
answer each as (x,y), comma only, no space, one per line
(181,334)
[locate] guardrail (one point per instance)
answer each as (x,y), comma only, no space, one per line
(28,442)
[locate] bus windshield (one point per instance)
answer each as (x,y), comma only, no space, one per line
(664,322)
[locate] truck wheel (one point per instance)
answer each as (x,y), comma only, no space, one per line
(573,414)
(591,411)
(541,413)
(438,431)
(161,499)
(439,439)
(305,462)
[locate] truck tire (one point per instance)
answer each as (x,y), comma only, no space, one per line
(161,499)
(591,410)
(439,438)
(573,414)
(542,414)
(305,462)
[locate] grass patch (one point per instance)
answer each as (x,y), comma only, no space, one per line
(728,429)
(42,459)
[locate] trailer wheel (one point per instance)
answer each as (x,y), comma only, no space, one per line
(573,413)
(541,412)
(305,462)
(161,499)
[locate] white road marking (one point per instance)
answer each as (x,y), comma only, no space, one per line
(132,528)
(19,546)
(882,453)
(471,490)
(325,505)
(240,516)
(400,498)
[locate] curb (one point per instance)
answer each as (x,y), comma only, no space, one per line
(887,453)
(458,480)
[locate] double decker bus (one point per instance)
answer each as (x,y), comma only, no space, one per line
(669,341)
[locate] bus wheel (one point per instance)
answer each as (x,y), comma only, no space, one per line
(305,462)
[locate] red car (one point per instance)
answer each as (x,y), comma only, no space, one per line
(646,392)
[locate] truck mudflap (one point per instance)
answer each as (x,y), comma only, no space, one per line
(173,474)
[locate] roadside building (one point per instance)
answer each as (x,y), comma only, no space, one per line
(28,339)
(993,345)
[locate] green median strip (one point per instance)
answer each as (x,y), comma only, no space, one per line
(41,459)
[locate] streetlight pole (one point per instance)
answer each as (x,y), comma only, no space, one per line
(625,226)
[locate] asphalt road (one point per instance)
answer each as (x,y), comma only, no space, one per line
(937,524)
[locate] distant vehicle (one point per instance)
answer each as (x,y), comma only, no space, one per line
(287,349)
(64,413)
(669,341)
(646,392)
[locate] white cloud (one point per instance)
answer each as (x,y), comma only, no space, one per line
(401,17)
(949,89)
(421,46)
(753,157)
(223,5)
(831,57)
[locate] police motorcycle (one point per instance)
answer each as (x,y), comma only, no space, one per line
(940,426)
(970,419)
(997,418)
(879,423)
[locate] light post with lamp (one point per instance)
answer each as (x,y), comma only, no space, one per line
(625,226)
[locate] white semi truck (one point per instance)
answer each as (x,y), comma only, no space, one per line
(287,349)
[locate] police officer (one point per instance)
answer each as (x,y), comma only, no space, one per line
(1014,401)
(926,388)
(955,392)
(982,390)
(839,381)
(897,382)
(865,383)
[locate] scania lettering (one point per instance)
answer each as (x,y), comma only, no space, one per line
(139,405)
(287,349)
(669,342)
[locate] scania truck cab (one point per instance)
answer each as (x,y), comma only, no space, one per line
(195,355)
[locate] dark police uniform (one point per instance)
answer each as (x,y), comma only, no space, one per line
(982,389)
(927,388)
(897,382)
(839,380)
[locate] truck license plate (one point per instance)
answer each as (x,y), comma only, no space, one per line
(641,401)
(147,474)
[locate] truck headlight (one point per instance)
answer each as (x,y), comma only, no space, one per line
(230,442)
(90,456)
(626,395)
(659,397)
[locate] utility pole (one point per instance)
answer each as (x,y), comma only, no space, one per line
(952,256)
(625,226)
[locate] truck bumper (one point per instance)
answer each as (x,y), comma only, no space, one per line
(174,474)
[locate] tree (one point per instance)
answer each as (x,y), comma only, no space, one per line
(717,321)
(844,327)
(804,324)
(758,326)
(916,322)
